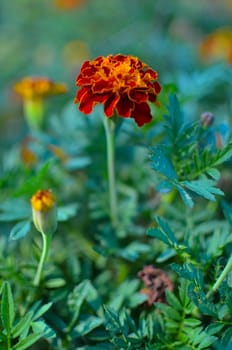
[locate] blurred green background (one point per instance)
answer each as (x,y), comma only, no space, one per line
(54,37)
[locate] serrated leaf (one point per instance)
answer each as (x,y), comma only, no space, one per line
(7,307)
(113,323)
(173,300)
(20,230)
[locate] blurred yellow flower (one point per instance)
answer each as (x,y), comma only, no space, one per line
(217,46)
(31,88)
(34,90)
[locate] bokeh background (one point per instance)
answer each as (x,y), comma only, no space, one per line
(54,37)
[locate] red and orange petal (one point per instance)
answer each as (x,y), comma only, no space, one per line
(38,87)
(121,83)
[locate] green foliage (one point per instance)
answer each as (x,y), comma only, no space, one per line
(147,283)
(21,334)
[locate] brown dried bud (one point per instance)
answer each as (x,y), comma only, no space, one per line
(156,281)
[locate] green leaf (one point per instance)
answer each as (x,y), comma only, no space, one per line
(35,182)
(7,307)
(67,211)
(173,301)
(86,326)
(204,188)
(187,199)
(113,323)
(22,325)
(77,163)
(76,299)
(27,342)
(42,328)
(14,209)
(161,163)
(223,154)
(214,173)
(163,233)
(20,230)
(42,310)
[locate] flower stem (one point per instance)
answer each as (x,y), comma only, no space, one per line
(45,248)
(109,131)
(222,276)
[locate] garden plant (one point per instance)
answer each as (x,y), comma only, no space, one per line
(116,201)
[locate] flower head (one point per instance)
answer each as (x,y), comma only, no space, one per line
(32,88)
(44,211)
(123,84)
(217,46)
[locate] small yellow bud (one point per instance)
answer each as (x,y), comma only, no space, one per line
(44,211)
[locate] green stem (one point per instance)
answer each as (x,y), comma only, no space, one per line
(109,131)
(222,276)
(45,248)
(8,342)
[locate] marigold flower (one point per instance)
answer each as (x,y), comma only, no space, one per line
(31,88)
(33,91)
(44,211)
(217,46)
(123,84)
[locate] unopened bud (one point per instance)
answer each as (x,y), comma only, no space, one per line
(44,211)
(207,119)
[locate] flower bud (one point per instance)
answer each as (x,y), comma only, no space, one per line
(207,119)
(44,211)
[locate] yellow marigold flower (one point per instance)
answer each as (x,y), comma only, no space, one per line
(31,88)
(123,84)
(44,211)
(34,90)
(217,46)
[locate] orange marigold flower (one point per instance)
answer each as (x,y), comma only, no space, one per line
(32,88)
(217,46)
(43,200)
(44,211)
(122,83)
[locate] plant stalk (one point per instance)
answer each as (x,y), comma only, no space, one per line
(109,131)
(45,248)
(222,276)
